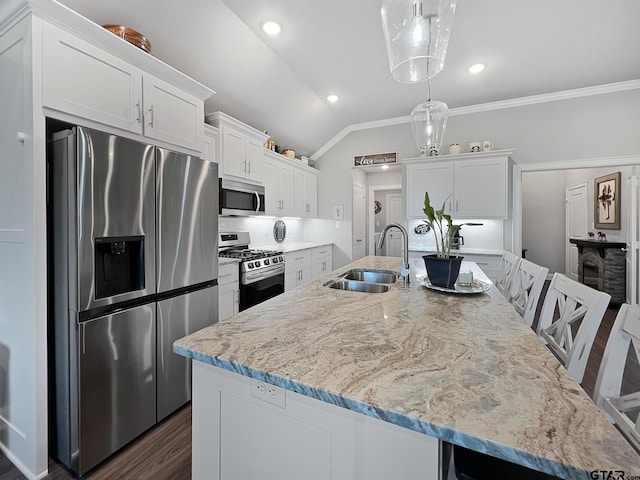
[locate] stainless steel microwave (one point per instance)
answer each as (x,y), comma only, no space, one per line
(240,198)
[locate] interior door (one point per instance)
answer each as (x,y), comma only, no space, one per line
(393,243)
(577,217)
(633,240)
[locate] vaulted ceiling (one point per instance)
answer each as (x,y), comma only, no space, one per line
(279,84)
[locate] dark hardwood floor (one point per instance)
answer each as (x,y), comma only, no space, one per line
(164,452)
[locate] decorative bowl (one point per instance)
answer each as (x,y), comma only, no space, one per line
(131,36)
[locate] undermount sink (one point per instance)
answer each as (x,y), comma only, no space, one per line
(364,280)
(357,286)
(372,275)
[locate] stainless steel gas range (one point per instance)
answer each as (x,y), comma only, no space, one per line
(261,271)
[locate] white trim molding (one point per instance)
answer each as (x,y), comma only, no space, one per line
(487,107)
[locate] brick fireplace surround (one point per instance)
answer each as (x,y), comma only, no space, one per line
(602,265)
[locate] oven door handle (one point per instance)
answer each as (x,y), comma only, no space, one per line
(252,277)
(258,201)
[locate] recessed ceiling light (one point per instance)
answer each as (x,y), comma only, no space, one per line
(332,98)
(271,27)
(476,68)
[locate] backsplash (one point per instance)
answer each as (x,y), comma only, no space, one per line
(487,236)
(261,229)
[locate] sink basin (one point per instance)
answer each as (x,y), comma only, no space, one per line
(375,276)
(356,286)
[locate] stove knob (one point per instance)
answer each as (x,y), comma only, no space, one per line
(266,261)
(275,259)
(281,259)
(250,265)
(257,263)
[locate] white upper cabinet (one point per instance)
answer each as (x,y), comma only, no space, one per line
(437,179)
(474,185)
(84,80)
(291,189)
(241,148)
(278,186)
(210,144)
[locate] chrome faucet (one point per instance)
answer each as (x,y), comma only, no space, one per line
(405,254)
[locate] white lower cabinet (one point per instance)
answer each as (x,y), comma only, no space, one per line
(489,264)
(248,429)
(228,291)
(322,261)
(297,270)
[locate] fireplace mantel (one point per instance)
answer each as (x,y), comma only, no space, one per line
(597,244)
(602,265)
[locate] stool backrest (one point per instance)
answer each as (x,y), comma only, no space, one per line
(526,287)
(569,321)
(619,363)
(507,268)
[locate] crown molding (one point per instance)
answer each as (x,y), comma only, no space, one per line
(486,107)
(622,161)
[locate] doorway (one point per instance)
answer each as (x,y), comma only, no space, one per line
(377,217)
(393,244)
(629,165)
(577,216)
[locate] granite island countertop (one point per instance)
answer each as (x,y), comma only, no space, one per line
(464,369)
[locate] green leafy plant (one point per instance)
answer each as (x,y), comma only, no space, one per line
(442,226)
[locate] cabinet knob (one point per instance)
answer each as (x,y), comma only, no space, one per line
(21,137)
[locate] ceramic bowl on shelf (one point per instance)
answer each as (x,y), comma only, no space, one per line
(130,35)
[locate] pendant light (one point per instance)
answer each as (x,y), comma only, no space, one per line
(429,121)
(416,33)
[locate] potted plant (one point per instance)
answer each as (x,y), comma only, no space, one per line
(442,268)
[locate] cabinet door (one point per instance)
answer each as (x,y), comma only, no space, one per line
(254,157)
(232,143)
(436,179)
(83,80)
(481,189)
(272,198)
(291,277)
(229,300)
(171,115)
(311,195)
(299,193)
(210,144)
(286,188)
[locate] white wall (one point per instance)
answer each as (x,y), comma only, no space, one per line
(543,218)
(598,126)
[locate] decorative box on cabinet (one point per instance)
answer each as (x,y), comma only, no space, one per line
(322,261)
(474,185)
(228,291)
(84,80)
(241,148)
(297,269)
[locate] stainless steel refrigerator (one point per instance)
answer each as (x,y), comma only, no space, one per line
(133,256)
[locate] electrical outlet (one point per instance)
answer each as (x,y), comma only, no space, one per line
(268,393)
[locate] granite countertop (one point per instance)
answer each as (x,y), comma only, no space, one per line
(465,369)
(227,261)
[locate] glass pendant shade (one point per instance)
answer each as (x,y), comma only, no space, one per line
(429,121)
(416,33)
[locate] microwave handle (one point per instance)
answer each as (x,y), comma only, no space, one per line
(258,199)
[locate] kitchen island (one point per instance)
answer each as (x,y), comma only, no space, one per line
(463,369)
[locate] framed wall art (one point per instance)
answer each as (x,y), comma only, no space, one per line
(606,193)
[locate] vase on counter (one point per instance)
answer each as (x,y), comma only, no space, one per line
(442,272)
